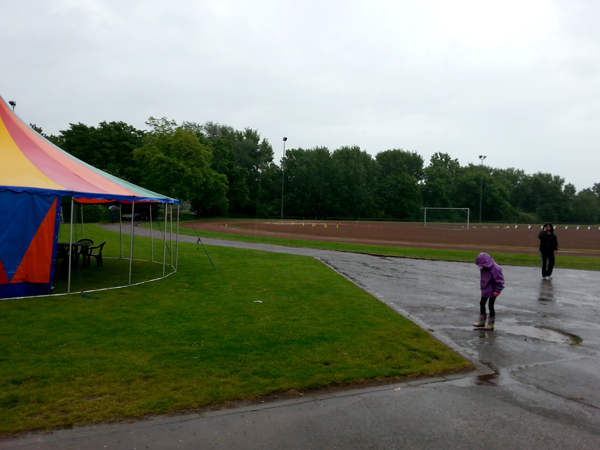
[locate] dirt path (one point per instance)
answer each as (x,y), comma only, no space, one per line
(490,238)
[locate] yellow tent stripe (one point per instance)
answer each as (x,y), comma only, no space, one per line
(16,169)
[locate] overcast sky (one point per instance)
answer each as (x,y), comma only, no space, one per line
(517,81)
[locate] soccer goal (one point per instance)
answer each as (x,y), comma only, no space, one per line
(446,218)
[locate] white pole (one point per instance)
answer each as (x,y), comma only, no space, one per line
(82,232)
(282,175)
(131,241)
(70,246)
(165,242)
(468,214)
(177,237)
(121,227)
(481,158)
(171,235)
(151,237)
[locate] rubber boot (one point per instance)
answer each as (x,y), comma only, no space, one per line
(490,323)
(481,322)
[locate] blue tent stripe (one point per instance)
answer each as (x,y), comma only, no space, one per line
(22,215)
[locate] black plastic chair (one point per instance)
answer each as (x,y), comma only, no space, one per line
(83,249)
(62,260)
(97,255)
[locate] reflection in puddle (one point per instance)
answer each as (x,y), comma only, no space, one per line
(487,380)
(546,292)
(490,379)
(543,334)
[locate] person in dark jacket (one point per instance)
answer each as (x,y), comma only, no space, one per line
(548,245)
(492,283)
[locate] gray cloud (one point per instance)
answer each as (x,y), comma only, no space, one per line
(517,81)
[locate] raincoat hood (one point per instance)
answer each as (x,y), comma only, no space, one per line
(485,260)
(492,280)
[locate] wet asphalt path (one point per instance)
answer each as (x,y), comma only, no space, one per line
(533,389)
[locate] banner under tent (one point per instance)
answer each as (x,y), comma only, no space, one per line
(34,177)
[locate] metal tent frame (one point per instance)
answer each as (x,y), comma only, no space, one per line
(174,266)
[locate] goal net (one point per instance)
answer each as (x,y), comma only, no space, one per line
(446,218)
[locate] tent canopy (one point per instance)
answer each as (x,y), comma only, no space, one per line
(34,176)
(33,164)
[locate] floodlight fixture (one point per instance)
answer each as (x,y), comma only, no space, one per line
(13,104)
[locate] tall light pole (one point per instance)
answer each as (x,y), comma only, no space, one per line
(282,175)
(481,157)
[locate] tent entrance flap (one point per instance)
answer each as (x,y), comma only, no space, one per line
(28,237)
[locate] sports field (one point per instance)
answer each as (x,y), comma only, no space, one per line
(573,240)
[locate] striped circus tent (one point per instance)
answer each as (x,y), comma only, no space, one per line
(34,176)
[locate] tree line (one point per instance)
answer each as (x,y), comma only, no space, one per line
(221,171)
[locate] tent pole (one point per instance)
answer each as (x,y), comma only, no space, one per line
(177,237)
(121,227)
(151,240)
(171,235)
(131,241)
(70,246)
(82,233)
(165,242)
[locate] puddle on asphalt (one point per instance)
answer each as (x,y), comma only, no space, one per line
(490,379)
(543,334)
(487,380)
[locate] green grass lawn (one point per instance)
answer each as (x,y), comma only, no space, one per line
(261,323)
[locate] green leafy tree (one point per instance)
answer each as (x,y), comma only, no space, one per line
(108,147)
(398,160)
(356,186)
(542,194)
(398,191)
(441,177)
(224,162)
(570,190)
(178,164)
(477,185)
(400,196)
(270,204)
(585,207)
(511,178)
(252,154)
(310,176)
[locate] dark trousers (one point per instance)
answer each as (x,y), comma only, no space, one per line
(547,262)
(491,305)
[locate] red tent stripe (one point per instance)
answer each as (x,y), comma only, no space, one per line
(94,176)
(3,277)
(48,165)
(40,166)
(37,262)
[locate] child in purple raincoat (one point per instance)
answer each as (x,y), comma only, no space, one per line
(492,283)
